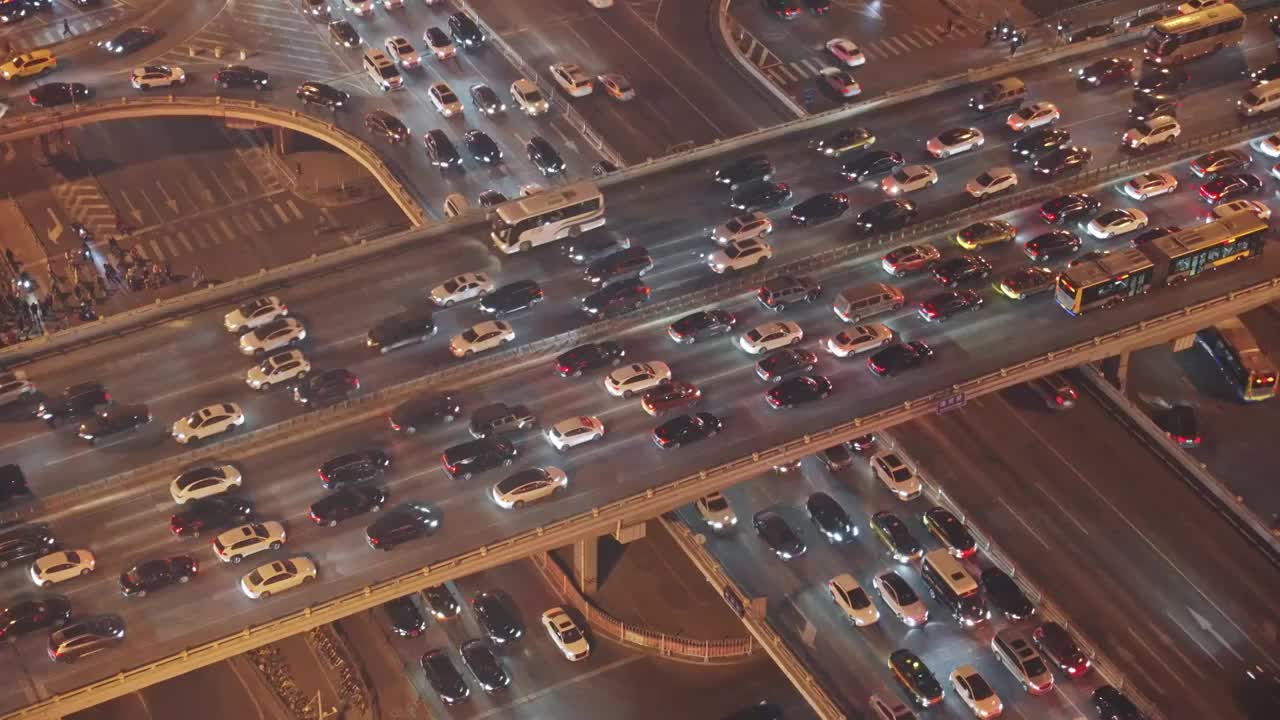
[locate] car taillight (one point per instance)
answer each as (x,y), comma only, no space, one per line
(564,368)
(323,478)
(314,516)
(930,311)
(106,397)
(392,422)
(1059,399)
(1048,216)
(448,466)
(1207,193)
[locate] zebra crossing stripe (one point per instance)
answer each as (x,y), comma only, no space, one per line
(182,238)
(284,217)
(156,253)
(226,229)
(297,214)
(884,45)
(900,44)
(814,66)
(908,38)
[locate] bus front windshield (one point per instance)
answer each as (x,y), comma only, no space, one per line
(1161,45)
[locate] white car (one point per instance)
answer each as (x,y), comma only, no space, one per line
(62,565)
(1149,185)
(770,336)
(529,486)
(278,368)
(461,288)
(716,511)
(207,422)
(571,79)
(15,386)
(994,181)
(359,7)
(954,142)
(846,51)
(636,378)
(739,255)
(617,85)
(564,632)
(896,475)
(901,599)
(743,227)
(255,313)
(239,543)
(154,76)
(204,482)
(276,577)
(444,100)
(1117,222)
(1155,131)
(852,600)
(1228,209)
(401,50)
(482,336)
(528,97)
(392,4)
(908,178)
(1269,145)
(575,431)
(276,334)
(840,81)
(1033,116)
(859,339)
(976,692)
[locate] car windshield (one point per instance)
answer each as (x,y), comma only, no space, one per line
(985,179)
(733,226)
(717,504)
(570,635)
(255,578)
(979,687)
(1034,667)
(858,599)
(902,474)
(1113,217)
(470,335)
(735,251)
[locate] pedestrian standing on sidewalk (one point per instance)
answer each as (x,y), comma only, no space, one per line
(66,28)
(197,276)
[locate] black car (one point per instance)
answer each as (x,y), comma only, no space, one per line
(686,429)
(818,7)
(465,31)
(896,537)
(886,216)
(498,418)
(113,420)
(871,163)
(785,363)
(386,126)
(1063,160)
(1106,71)
(401,524)
(701,324)
(512,297)
(317,93)
(593,245)
(1179,423)
(1066,208)
(317,8)
(240,76)
(1058,647)
(151,575)
(820,208)
(441,151)
(1053,244)
(347,502)
(845,141)
(830,518)
(838,457)
(744,171)
(1039,142)
(1091,32)
(633,262)
(211,513)
(760,196)
(486,99)
(342,33)
(778,535)
(479,658)
(57,93)
(75,401)
(1229,187)
(13,483)
(24,616)
(444,677)
(131,39)
(960,269)
(406,620)
(1220,161)
(475,456)
(798,390)
(326,388)
(589,357)
(1005,594)
(783,9)
(491,198)
(1111,704)
(1152,105)
(86,636)
(416,412)
(898,357)
(1266,73)
(26,542)
(411,326)
(1150,234)
(952,533)
(352,468)
(915,677)
(615,298)
(482,147)
(16,10)
(1160,80)
(544,156)
(942,306)
(497,618)
(441,602)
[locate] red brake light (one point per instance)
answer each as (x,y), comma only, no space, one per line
(930,311)
(394,425)
(445,459)
(1049,216)
(106,396)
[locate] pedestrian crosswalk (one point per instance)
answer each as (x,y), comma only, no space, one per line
(205,232)
(258,157)
(47,28)
(884,49)
(84,202)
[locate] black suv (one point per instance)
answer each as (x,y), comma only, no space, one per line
(465,31)
(444,677)
(632,262)
(886,216)
(316,93)
(406,619)
(210,513)
(441,150)
(326,388)
(589,357)
(479,658)
(76,401)
(482,147)
(486,100)
(778,535)
(615,298)
(593,245)
(1005,594)
(342,33)
(411,414)
(26,543)
(544,156)
(401,329)
(468,458)
(1039,142)
(830,518)
(500,418)
(513,297)
(240,76)
(12,483)
(347,502)
(1153,105)
(150,575)
(24,616)
(497,618)
(745,171)
(778,293)
(402,524)
(871,163)
(760,196)
(115,419)
(353,468)
(1063,160)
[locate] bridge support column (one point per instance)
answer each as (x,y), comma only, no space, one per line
(629,533)
(586,565)
(1116,370)
(282,140)
(1184,343)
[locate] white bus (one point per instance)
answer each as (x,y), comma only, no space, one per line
(522,224)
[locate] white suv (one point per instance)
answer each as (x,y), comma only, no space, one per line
(852,600)
(239,543)
(1016,654)
(750,226)
(634,379)
(1156,131)
(896,474)
(528,97)
(572,79)
(281,367)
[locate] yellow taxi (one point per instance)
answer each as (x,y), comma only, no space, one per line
(29,64)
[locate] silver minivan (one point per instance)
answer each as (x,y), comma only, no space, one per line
(858,303)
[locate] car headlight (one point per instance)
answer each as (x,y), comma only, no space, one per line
(715,524)
(180,436)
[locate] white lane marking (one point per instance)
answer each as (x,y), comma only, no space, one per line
(70,457)
(1066,512)
(1018,517)
(558,686)
(191,389)
(16,443)
(1154,653)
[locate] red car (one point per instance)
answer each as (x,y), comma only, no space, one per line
(671,396)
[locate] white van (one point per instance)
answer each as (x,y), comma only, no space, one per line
(382,70)
(359,7)
(1264,98)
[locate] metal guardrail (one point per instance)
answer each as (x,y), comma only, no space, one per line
(648,503)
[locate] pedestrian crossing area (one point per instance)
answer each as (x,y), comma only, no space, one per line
(47,28)
(205,233)
(84,202)
(258,157)
(883,50)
